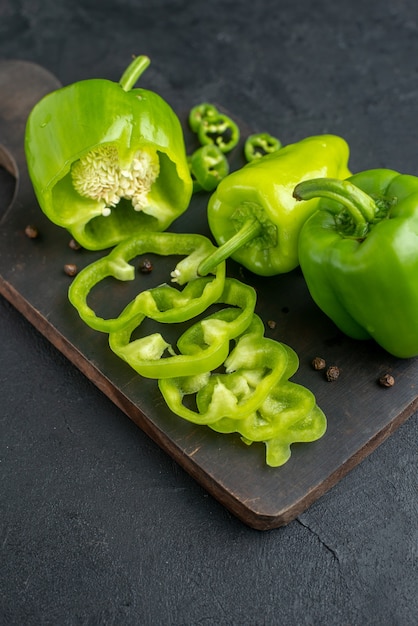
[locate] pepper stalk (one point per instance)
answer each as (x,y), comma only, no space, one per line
(353,203)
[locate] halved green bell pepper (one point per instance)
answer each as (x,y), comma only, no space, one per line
(162,303)
(107,160)
(359,256)
(253,215)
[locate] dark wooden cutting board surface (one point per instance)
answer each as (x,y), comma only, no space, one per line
(360,412)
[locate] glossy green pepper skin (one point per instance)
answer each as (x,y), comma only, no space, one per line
(107,160)
(359,256)
(255,206)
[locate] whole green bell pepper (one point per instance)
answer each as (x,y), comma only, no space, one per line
(253,215)
(162,303)
(359,256)
(107,160)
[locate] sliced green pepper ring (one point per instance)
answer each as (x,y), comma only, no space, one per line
(260,144)
(202,347)
(254,366)
(208,166)
(220,130)
(162,303)
(289,414)
(201,113)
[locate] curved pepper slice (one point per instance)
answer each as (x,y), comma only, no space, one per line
(163,303)
(288,415)
(208,166)
(260,144)
(359,256)
(202,347)
(201,114)
(213,127)
(107,160)
(253,215)
(253,367)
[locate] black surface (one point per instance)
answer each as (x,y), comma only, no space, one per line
(98,525)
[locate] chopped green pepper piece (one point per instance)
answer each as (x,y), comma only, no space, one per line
(214,127)
(359,256)
(107,160)
(253,397)
(253,215)
(260,144)
(202,347)
(163,303)
(253,367)
(209,166)
(201,114)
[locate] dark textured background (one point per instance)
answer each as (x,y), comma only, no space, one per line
(99,526)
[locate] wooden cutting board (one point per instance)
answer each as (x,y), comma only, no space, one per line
(360,412)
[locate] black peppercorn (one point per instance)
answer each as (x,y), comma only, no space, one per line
(332,373)
(74,245)
(31,231)
(145,267)
(386,380)
(70,269)
(318,363)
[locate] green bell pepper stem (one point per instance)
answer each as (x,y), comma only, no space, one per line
(202,347)
(163,303)
(133,72)
(360,205)
(248,232)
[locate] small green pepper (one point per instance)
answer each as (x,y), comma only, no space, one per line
(359,256)
(107,160)
(260,144)
(202,347)
(162,303)
(253,215)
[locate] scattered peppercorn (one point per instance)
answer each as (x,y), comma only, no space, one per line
(74,245)
(386,380)
(70,269)
(271,324)
(145,267)
(31,231)
(332,373)
(318,363)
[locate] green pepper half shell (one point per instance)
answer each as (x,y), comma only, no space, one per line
(107,160)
